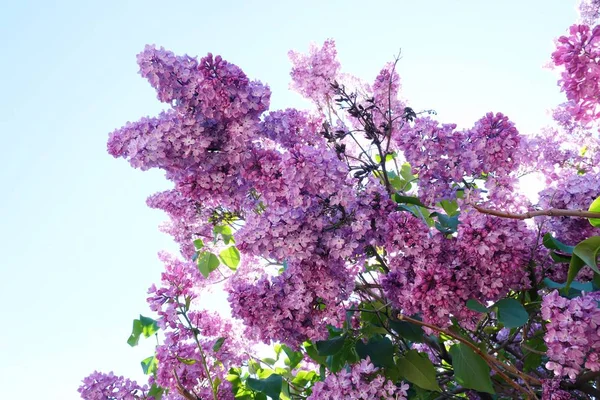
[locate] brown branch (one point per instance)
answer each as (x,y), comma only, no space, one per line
(494,363)
(551,212)
(183,391)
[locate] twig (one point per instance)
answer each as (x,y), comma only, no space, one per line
(551,212)
(491,361)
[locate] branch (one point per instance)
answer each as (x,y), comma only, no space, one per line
(494,363)
(182,390)
(551,212)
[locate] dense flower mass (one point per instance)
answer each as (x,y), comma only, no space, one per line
(434,276)
(359,382)
(443,157)
(301,302)
(364,233)
(579,52)
(572,333)
(573,192)
(313,73)
(100,386)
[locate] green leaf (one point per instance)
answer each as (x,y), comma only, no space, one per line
(406,173)
(445,223)
(418,369)
(187,361)
(142,326)
(408,331)
(136,331)
(294,357)
(207,263)
(559,258)
(380,350)
(149,365)
(595,207)
(302,378)
(312,352)
(554,244)
(451,207)
(579,286)
(470,370)
(198,244)
(533,359)
(408,200)
(156,392)
(270,386)
(225,232)
(347,355)
(331,346)
(149,326)
(218,343)
(474,305)
(587,250)
(511,313)
(230,257)
(574,268)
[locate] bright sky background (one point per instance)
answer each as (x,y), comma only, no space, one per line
(77,243)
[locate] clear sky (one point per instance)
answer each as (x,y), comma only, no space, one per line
(77,243)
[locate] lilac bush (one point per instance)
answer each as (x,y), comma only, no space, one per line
(379,252)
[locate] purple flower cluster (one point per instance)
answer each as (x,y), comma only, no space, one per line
(203,141)
(313,73)
(442,156)
(551,390)
(589,11)
(361,382)
(574,192)
(580,80)
(296,305)
(100,386)
(180,363)
(572,333)
(435,276)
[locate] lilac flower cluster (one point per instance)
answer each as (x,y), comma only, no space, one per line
(313,73)
(296,305)
(435,276)
(100,386)
(580,80)
(361,382)
(589,11)
(574,192)
(443,157)
(572,333)
(551,390)
(202,142)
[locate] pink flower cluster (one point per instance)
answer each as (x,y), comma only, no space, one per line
(442,156)
(572,191)
(203,141)
(361,382)
(100,386)
(579,54)
(313,73)
(589,11)
(181,364)
(572,333)
(296,305)
(551,390)
(435,276)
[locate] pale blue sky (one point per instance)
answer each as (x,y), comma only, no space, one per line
(77,243)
